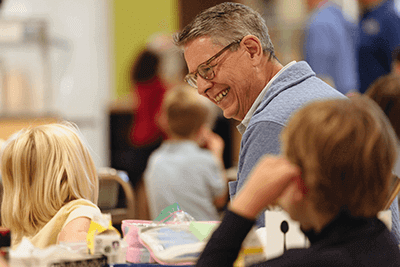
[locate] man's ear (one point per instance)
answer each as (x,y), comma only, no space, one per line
(253,47)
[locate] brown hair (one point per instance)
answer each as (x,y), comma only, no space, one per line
(386,92)
(346,150)
(186,112)
(145,67)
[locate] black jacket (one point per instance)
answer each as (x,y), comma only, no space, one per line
(345,241)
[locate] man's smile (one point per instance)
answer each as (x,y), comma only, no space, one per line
(221,95)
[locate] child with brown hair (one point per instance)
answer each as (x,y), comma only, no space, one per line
(188,167)
(385,91)
(333,178)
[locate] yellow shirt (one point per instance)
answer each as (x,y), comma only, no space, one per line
(48,235)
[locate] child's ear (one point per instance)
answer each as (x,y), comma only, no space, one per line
(301,186)
(292,195)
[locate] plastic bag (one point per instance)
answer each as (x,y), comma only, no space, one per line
(136,252)
(180,243)
(175,237)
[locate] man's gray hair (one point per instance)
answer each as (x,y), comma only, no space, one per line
(226,23)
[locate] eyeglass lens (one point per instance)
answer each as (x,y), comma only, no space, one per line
(205,70)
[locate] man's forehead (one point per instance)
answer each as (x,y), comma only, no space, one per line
(198,51)
(200,42)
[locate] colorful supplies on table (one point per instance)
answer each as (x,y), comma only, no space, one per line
(178,243)
(136,252)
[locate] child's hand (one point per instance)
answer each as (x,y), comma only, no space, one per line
(214,143)
(265,184)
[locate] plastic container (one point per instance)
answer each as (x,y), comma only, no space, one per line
(136,252)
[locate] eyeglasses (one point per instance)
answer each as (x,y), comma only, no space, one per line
(205,70)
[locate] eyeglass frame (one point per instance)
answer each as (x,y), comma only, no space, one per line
(191,78)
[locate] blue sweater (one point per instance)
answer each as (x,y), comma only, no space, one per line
(294,88)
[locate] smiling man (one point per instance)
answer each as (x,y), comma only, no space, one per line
(231,61)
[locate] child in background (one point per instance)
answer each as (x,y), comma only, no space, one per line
(333,178)
(50,186)
(188,167)
(385,91)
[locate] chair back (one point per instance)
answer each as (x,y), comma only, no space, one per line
(110,180)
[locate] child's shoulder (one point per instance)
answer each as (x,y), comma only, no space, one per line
(82,205)
(182,150)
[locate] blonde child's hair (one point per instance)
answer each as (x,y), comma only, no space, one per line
(43,168)
(346,149)
(185,111)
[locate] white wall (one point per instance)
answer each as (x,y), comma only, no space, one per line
(80,74)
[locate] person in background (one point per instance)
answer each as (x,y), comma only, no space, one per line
(232,62)
(149,91)
(385,91)
(50,186)
(379,35)
(188,167)
(145,133)
(333,178)
(330,43)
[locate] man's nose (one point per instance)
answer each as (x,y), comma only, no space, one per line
(203,85)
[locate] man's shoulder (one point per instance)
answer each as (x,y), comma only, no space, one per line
(286,100)
(300,83)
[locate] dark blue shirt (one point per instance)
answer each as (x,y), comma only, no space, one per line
(379,35)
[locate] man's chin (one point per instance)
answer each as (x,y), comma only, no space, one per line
(229,115)
(226,114)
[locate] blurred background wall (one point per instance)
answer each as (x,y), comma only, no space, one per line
(134,23)
(67,65)
(74,64)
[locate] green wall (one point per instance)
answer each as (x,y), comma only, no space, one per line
(134,22)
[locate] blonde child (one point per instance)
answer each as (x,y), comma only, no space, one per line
(333,178)
(50,185)
(187,169)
